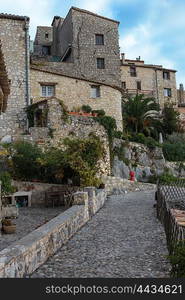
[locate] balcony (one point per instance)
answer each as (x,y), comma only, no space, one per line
(133,92)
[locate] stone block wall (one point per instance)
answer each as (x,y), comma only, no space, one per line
(85,51)
(74,41)
(39,190)
(74,126)
(44,37)
(25,256)
(13,39)
(77,92)
(152,81)
(165,83)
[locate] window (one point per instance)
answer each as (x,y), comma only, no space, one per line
(166,75)
(46,50)
(167,92)
(46,35)
(99,39)
(48,90)
(123,85)
(100,63)
(133,71)
(139,85)
(95,91)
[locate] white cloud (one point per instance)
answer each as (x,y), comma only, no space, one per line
(161,26)
(39,11)
(139,42)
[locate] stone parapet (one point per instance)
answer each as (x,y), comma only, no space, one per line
(25,256)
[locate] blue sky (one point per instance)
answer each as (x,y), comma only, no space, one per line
(153,29)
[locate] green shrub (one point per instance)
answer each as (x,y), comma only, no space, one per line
(147,141)
(151,143)
(119,134)
(109,124)
(24,158)
(99,112)
(86,108)
(138,138)
(177,260)
(82,155)
(164,178)
(171,121)
(6,183)
(176,138)
(174,152)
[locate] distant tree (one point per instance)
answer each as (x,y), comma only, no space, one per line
(171,120)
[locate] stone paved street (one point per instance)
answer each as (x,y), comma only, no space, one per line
(124,239)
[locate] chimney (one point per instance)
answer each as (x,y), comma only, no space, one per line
(138,58)
(122,58)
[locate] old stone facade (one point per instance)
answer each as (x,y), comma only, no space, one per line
(75,92)
(89,41)
(150,80)
(181,95)
(43,40)
(50,126)
(14,40)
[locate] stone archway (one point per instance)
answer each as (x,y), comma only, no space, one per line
(4,83)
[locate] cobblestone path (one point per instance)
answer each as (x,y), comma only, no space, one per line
(124,239)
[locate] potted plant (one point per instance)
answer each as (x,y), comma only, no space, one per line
(8,226)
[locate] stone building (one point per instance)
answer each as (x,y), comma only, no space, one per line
(77,60)
(87,41)
(181,95)
(14,73)
(151,80)
(75,92)
(43,41)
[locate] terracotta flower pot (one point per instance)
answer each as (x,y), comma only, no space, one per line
(9,229)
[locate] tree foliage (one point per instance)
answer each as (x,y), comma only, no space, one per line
(139,114)
(77,160)
(171,122)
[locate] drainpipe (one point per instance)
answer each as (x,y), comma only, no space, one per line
(157,86)
(27,60)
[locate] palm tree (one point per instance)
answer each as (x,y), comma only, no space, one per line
(140,113)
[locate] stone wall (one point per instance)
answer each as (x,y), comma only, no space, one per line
(64,35)
(77,92)
(181,95)
(152,82)
(25,256)
(181,111)
(14,42)
(165,83)
(74,126)
(39,189)
(41,39)
(85,26)
(74,41)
